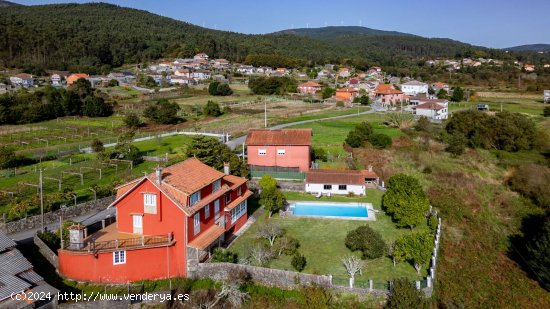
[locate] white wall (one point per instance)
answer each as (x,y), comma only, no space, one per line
(414,89)
(433,114)
(316,188)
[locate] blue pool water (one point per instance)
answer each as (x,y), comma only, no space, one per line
(329,210)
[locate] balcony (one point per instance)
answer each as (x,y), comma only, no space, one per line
(109,239)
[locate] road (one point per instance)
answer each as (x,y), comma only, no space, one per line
(240,140)
(87,219)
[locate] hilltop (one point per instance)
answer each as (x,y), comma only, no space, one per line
(531,48)
(333,32)
(4,3)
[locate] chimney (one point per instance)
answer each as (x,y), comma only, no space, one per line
(159,175)
(226,168)
(370,168)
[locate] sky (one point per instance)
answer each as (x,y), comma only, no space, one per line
(490,23)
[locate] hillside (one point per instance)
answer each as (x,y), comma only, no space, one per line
(4,3)
(333,32)
(531,48)
(96,37)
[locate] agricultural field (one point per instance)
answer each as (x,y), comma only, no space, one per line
(530,104)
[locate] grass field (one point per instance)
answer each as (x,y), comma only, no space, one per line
(322,243)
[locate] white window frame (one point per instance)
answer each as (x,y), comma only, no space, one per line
(216,206)
(196,195)
(216,185)
(119,257)
(262,152)
(340,187)
(239,191)
(281,152)
(150,203)
(197,223)
(137,229)
(207,211)
(325,187)
(239,211)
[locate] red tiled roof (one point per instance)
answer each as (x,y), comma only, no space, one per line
(24,76)
(429,105)
(347,89)
(344,177)
(206,238)
(309,84)
(387,89)
(188,176)
(234,181)
(239,200)
(279,137)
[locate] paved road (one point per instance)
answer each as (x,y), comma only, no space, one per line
(87,219)
(240,140)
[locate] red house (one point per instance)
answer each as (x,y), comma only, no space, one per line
(271,150)
(166,223)
(309,88)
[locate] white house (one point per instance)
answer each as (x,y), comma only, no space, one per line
(57,80)
(433,109)
(546,96)
(22,79)
(414,87)
(201,74)
(340,181)
(200,56)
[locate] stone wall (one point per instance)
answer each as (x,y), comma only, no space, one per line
(261,275)
(46,251)
(33,222)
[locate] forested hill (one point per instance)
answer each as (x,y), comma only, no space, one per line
(96,37)
(531,47)
(333,32)
(4,3)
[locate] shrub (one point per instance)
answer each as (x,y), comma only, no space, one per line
(97,146)
(538,250)
(219,89)
(212,109)
(50,239)
(221,255)
(432,223)
(355,139)
(405,295)
(405,200)
(132,121)
(546,111)
(162,112)
(531,180)
(366,240)
(423,124)
(339,104)
(298,262)
(7,157)
(456,145)
(318,153)
(380,140)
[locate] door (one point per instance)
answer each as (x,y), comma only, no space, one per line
(138,224)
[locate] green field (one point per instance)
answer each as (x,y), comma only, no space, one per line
(322,243)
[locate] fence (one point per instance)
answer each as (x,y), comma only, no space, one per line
(289,173)
(143,241)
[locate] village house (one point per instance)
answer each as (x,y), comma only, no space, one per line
(275,150)
(76,76)
(387,95)
(22,80)
(220,63)
(414,87)
(433,109)
(346,94)
(201,56)
(246,69)
(17,276)
(344,72)
(183,73)
(122,77)
(342,182)
(546,96)
(57,80)
(199,75)
(529,67)
(166,222)
(437,86)
(309,88)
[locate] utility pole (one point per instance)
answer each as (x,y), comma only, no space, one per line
(40,185)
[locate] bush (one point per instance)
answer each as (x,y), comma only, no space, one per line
(50,239)
(318,153)
(162,112)
(531,180)
(132,121)
(298,262)
(366,240)
(7,157)
(432,223)
(221,255)
(456,145)
(112,83)
(423,124)
(97,146)
(538,250)
(405,295)
(380,140)
(212,109)
(546,111)
(339,104)
(219,89)
(355,139)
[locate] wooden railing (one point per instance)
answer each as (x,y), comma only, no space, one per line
(143,241)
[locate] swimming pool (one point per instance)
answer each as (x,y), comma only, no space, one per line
(332,210)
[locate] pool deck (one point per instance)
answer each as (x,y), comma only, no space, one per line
(370,210)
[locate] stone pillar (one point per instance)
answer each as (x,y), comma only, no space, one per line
(330,278)
(371,285)
(429,281)
(418,285)
(433,261)
(432,273)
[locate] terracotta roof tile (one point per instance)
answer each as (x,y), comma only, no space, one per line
(206,238)
(347,89)
(188,176)
(279,137)
(234,181)
(429,105)
(309,84)
(238,200)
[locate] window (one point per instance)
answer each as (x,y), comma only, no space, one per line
(216,206)
(195,197)
(150,203)
(227,198)
(238,211)
(327,187)
(137,224)
(281,152)
(342,187)
(239,191)
(197,223)
(262,152)
(207,211)
(216,185)
(119,257)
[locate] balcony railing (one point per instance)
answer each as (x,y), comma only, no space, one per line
(128,243)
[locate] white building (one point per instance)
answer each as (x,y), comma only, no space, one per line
(340,182)
(546,96)
(414,87)
(57,80)
(433,109)
(22,79)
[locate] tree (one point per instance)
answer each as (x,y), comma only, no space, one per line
(405,200)
(318,153)
(132,121)
(458,95)
(125,150)
(270,231)
(366,240)
(97,146)
(364,100)
(405,295)
(538,252)
(260,254)
(224,90)
(112,83)
(355,139)
(162,112)
(298,262)
(380,140)
(328,92)
(353,265)
(272,199)
(457,144)
(212,109)
(442,94)
(7,157)
(287,245)
(267,181)
(546,111)
(423,124)
(416,248)
(82,87)
(213,153)
(213,88)
(96,107)
(221,255)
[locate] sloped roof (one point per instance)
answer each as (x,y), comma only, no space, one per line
(387,89)
(188,176)
(6,242)
(429,105)
(309,84)
(347,89)
(344,177)
(283,137)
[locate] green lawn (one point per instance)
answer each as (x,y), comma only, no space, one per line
(322,243)
(529,107)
